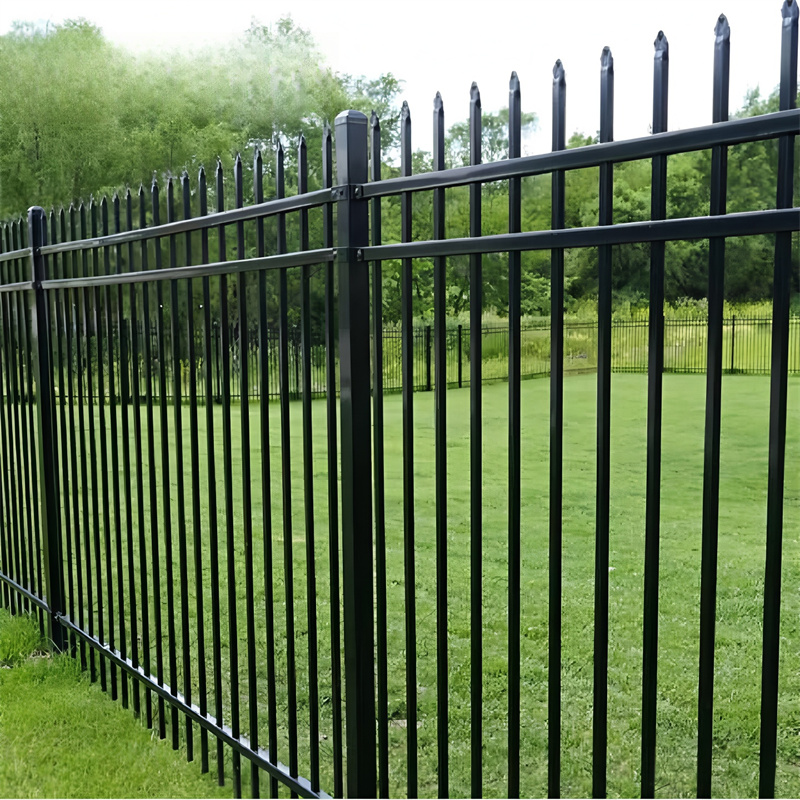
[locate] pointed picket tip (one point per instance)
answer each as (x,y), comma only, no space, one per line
(606,59)
(257,153)
(374,122)
(722,29)
(218,168)
(405,111)
(789,9)
(326,131)
(201,174)
(558,71)
(661,44)
(103,203)
(279,145)
(474,92)
(128,193)
(513,82)
(141,190)
(184,175)
(438,105)
(301,143)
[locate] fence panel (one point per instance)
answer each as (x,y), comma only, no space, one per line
(140,454)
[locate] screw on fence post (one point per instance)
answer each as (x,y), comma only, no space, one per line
(428,357)
(43,375)
(356,438)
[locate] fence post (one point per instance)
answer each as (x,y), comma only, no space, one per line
(43,375)
(428,357)
(356,448)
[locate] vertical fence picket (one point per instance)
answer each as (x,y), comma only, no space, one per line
(151,461)
(655,369)
(9,596)
(209,333)
(308,475)
(135,390)
(88,319)
(29,438)
(266,477)
(407,332)
(100,304)
(75,400)
(379,477)
(227,471)
(514,441)
(716,290)
(440,435)
(20,455)
(166,485)
(194,470)
(286,483)
(86,413)
(476,456)
(600,691)
(114,453)
(125,401)
(556,445)
(777,415)
(5,432)
(180,500)
(40,347)
(247,505)
(98,495)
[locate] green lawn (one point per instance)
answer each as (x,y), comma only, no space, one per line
(59,737)
(740,584)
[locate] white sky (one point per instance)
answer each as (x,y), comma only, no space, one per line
(443,45)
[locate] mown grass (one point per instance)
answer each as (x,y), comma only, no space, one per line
(739,603)
(60,737)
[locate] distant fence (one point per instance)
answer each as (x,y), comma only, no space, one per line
(232,572)
(746,351)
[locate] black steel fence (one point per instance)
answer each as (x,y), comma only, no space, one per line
(165,544)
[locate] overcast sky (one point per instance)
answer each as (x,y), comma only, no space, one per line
(443,45)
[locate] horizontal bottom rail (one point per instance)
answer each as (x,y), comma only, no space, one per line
(259,757)
(25,592)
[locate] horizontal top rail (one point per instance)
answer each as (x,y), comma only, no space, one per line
(301,258)
(746,223)
(11,255)
(766,126)
(22,286)
(269,208)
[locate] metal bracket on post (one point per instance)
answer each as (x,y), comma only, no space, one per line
(356,453)
(45,416)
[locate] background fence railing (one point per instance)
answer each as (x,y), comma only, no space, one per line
(318,589)
(746,351)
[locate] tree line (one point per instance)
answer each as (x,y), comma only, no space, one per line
(81,117)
